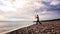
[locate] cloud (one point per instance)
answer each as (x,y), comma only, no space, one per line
(26,9)
(19,10)
(50,8)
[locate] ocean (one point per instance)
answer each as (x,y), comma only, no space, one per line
(6,26)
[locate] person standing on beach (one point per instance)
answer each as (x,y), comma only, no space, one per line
(37,22)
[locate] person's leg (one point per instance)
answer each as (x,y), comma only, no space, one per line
(39,22)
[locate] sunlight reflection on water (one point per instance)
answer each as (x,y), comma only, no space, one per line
(6,26)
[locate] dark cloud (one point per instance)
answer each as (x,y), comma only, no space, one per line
(52,10)
(49,7)
(52,7)
(46,3)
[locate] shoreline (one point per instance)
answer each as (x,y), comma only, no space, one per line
(15,29)
(38,28)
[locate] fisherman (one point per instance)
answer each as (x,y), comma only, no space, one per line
(38,22)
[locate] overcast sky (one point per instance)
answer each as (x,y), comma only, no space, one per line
(12,10)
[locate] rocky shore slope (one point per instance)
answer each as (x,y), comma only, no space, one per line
(48,27)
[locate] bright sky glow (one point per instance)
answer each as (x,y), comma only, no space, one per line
(13,10)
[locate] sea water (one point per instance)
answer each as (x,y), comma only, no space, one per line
(10,25)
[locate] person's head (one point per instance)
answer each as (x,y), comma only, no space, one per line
(37,15)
